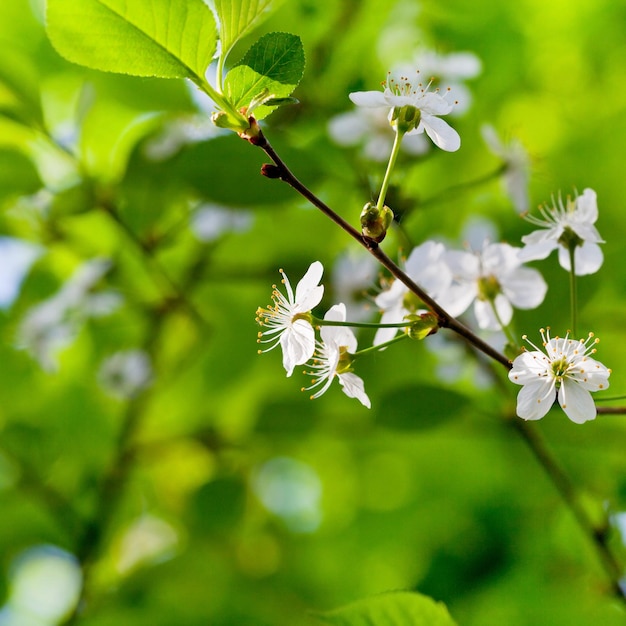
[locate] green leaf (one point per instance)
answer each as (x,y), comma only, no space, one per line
(391,609)
(19,87)
(166,38)
(272,68)
(237,17)
(18,175)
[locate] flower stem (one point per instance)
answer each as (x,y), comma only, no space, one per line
(506,328)
(392,161)
(572,286)
(381,346)
(610,398)
(319,322)
(598,535)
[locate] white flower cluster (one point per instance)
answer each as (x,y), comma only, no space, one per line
(492,280)
(289,324)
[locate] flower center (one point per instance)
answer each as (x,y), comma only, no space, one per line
(569,239)
(559,368)
(488,288)
(302,316)
(345,361)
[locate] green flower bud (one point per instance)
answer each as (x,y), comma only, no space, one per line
(422,325)
(375,222)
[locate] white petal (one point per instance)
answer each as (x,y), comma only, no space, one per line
(441,133)
(525,288)
(457,298)
(298,344)
(535,251)
(587,206)
(588,258)
(464,265)
(392,297)
(504,309)
(432,103)
(369,99)
(383,335)
(338,335)
(535,399)
(542,235)
(592,375)
(576,402)
(308,291)
(485,316)
(347,129)
(353,387)
(499,258)
(528,367)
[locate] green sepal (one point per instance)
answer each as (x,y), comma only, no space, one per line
(421,326)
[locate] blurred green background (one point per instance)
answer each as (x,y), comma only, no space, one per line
(193,482)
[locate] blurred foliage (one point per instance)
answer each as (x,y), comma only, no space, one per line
(218,494)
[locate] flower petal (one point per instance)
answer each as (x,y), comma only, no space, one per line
(576,402)
(298,344)
(338,335)
(588,258)
(369,99)
(535,250)
(528,366)
(525,288)
(535,399)
(308,291)
(353,387)
(441,133)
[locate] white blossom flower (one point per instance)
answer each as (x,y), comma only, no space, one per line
(563,226)
(516,166)
(565,371)
(126,373)
(493,278)
(426,267)
(288,320)
(53,323)
(370,128)
(412,103)
(333,358)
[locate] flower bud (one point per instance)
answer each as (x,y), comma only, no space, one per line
(375,222)
(422,325)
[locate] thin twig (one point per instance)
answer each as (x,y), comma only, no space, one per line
(444,318)
(597,535)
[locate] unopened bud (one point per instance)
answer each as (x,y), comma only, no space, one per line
(270,170)
(422,325)
(375,222)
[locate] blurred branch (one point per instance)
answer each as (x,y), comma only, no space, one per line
(147,252)
(598,535)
